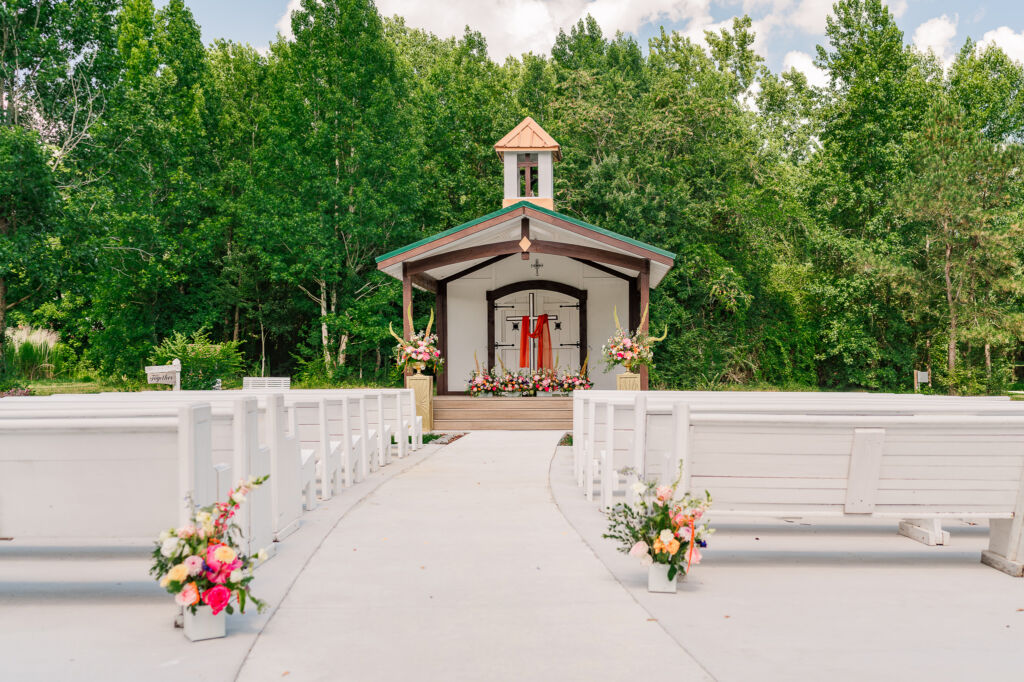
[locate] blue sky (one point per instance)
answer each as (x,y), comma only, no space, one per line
(788,29)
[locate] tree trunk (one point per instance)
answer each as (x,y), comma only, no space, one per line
(951,350)
(988,360)
(263,348)
(323,324)
(342,346)
(234,333)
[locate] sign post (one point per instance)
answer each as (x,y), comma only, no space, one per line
(165,374)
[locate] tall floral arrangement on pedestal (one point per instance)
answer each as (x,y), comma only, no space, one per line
(420,350)
(201,562)
(662,527)
(632,350)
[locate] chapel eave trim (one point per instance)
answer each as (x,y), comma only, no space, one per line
(528,209)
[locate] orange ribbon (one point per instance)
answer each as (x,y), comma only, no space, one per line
(541,333)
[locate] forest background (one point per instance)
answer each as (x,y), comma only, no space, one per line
(155,190)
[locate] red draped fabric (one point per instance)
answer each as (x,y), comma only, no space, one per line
(543,335)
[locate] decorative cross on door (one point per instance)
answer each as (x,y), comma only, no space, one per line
(536,265)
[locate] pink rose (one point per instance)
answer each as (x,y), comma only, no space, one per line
(664,493)
(186,531)
(211,558)
(217,597)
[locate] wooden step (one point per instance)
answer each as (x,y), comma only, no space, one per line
(464,413)
(501,425)
(531,415)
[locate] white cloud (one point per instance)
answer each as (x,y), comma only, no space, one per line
(284,24)
(803,62)
(1012,43)
(897,7)
(513,27)
(937,35)
(809,16)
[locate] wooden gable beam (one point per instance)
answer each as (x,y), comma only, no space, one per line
(589,253)
(424,281)
(463,255)
(473,268)
(640,251)
(605,269)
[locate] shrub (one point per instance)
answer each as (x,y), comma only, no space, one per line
(32,353)
(202,361)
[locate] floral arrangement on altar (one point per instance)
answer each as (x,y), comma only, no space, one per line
(200,562)
(501,381)
(419,351)
(632,350)
(661,528)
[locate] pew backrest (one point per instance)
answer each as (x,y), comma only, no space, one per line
(103,477)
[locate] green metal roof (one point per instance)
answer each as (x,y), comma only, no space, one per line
(513,207)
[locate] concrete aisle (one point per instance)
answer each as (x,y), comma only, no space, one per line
(462,568)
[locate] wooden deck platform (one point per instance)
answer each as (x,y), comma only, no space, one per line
(463,413)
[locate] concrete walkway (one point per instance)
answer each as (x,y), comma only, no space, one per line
(463,568)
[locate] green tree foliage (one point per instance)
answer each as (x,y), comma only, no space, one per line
(26,207)
(961,192)
(202,361)
(161,188)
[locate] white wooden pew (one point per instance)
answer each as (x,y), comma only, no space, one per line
(266,383)
(293,468)
(592,409)
(236,452)
(917,468)
(103,478)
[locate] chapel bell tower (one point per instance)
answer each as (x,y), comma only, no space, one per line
(528,153)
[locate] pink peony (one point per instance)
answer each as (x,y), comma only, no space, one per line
(639,550)
(217,597)
(194,564)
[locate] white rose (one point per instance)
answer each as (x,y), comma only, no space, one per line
(236,576)
(164,534)
(170,547)
(262,555)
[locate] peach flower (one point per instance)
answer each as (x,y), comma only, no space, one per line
(188,596)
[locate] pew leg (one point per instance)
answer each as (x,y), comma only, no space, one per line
(925,531)
(607,481)
(1005,546)
(588,481)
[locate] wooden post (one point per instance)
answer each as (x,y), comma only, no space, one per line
(633,288)
(441,303)
(406,302)
(644,281)
(406,307)
(583,328)
(490,331)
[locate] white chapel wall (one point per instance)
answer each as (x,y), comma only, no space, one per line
(467,311)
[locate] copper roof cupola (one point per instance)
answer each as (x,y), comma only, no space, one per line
(528,153)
